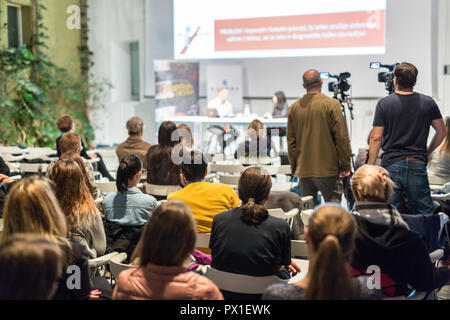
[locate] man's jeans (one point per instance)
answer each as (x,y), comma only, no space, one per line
(411,180)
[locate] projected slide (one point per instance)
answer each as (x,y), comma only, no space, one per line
(209,29)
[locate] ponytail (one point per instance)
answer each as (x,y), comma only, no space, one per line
(331,230)
(128,167)
(253,213)
(253,188)
(329,276)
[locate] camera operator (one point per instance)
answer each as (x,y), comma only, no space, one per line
(402,125)
(318,141)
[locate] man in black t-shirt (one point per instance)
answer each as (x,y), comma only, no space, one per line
(401,127)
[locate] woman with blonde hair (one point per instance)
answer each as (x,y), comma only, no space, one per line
(439,161)
(83,218)
(167,241)
(329,240)
(31,207)
(384,239)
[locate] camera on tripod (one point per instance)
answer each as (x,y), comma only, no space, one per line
(341,85)
(385,77)
(339,89)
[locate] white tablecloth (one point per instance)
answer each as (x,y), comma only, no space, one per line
(278,122)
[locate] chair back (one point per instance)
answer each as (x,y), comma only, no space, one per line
(229,179)
(202,240)
(227,168)
(107,186)
(284,169)
(33,167)
(273,170)
(240,283)
(298,249)
(116,266)
(160,190)
(306,215)
(8,157)
(12,150)
(279,213)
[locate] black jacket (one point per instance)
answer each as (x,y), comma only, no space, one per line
(79,256)
(400,253)
(4,169)
(121,238)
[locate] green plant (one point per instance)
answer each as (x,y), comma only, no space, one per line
(34,91)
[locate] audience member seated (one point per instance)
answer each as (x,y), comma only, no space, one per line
(256,145)
(129,206)
(247,240)
(167,241)
(160,167)
(71,142)
(205,199)
(362,157)
(439,162)
(186,137)
(31,207)
(30,267)
(66,125)
(134,144)
(4,169)
(83,218)
(329,240)
(95,192)
(281,106)
(384,239)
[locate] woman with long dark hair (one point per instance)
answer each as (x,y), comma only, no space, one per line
(247,240)
(166,242)
(129,206)
(281,107)
(161,169)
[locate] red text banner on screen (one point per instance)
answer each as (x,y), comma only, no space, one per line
(330,30)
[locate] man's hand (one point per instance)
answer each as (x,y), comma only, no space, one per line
(344,174)
(93,156)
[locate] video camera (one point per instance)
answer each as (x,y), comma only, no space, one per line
(385,77)
(341,85)
(339,89)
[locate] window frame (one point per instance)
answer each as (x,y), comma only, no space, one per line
(19,22)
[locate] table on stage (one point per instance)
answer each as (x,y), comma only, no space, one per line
(244,121)
(198,124)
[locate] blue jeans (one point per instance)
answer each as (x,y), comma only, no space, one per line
(411,180)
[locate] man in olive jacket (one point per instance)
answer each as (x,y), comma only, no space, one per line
(319,145)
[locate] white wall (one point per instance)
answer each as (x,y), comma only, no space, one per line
(443,81)
(113,24)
